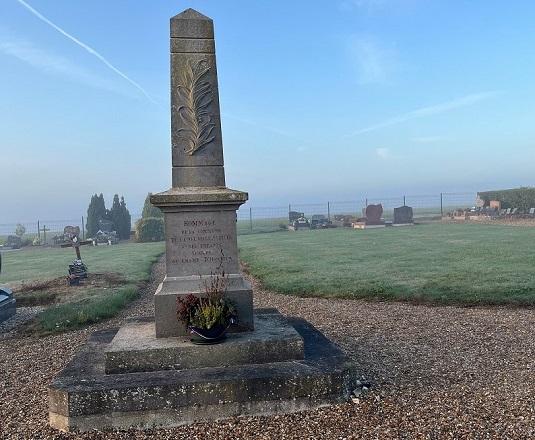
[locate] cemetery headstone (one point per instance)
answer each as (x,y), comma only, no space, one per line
(294,215)
(403,216)
(13,242)
(496,204)
(372,218)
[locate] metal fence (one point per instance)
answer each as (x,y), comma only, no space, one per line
(270,219)
(252,219)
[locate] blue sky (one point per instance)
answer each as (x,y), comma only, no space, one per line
(325,100)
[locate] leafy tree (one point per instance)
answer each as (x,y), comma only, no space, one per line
(126,220)
(150,229)
(149,210)
(95,212)
(121,218)
(20,230)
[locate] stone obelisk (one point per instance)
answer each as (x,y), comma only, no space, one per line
(199,210)
(147,373)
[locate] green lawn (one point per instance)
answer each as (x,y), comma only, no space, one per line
(131,260)
(438,262)
(72,307)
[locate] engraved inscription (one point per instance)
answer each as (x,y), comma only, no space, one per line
(200,241)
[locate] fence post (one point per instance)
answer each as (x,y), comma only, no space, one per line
(404,204)
(329,211)
(251,217)
(83,229)
(441,206)
(38,230)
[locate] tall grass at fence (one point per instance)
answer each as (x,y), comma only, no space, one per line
(446,263)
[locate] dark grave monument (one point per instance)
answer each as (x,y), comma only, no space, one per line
(372,218)
(8,306)
(299,223)
(294,215)
(148,373)
(403,216)
(13,242)
(319,221)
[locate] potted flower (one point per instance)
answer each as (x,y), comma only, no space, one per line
(209,317)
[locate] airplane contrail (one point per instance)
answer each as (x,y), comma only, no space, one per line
(428,111)
(86,47)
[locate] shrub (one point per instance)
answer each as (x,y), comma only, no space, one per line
(522,198)
(150,229)
(27,242)
(149,210)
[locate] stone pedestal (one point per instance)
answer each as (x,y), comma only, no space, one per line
(129,378)
(201,241)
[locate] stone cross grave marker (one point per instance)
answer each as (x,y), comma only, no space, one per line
(73,234)
(77,269)
(44,230)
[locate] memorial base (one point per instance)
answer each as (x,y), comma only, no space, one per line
(129,378)
(362,225)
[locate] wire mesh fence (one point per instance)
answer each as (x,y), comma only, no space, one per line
(252,220)
(46,231)
(271,219)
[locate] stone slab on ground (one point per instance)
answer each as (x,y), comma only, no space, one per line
(362,225)
(8,306)
(135,347)
(84,397)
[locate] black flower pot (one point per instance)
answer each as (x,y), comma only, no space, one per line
(213,335)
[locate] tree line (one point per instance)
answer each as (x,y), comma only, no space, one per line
(118,215)
(148,228)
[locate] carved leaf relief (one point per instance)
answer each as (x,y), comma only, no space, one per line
(195,96)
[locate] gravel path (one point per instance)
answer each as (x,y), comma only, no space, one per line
(436,373)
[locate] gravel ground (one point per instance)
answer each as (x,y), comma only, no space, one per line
(435,373)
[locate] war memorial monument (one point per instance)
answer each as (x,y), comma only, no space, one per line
(148,373)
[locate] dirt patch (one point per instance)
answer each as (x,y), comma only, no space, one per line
(46,292)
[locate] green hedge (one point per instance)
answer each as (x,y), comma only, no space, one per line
(522,198)
(150,229)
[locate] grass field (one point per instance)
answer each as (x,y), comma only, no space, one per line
(115,275)
(435,262)
(438,262)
